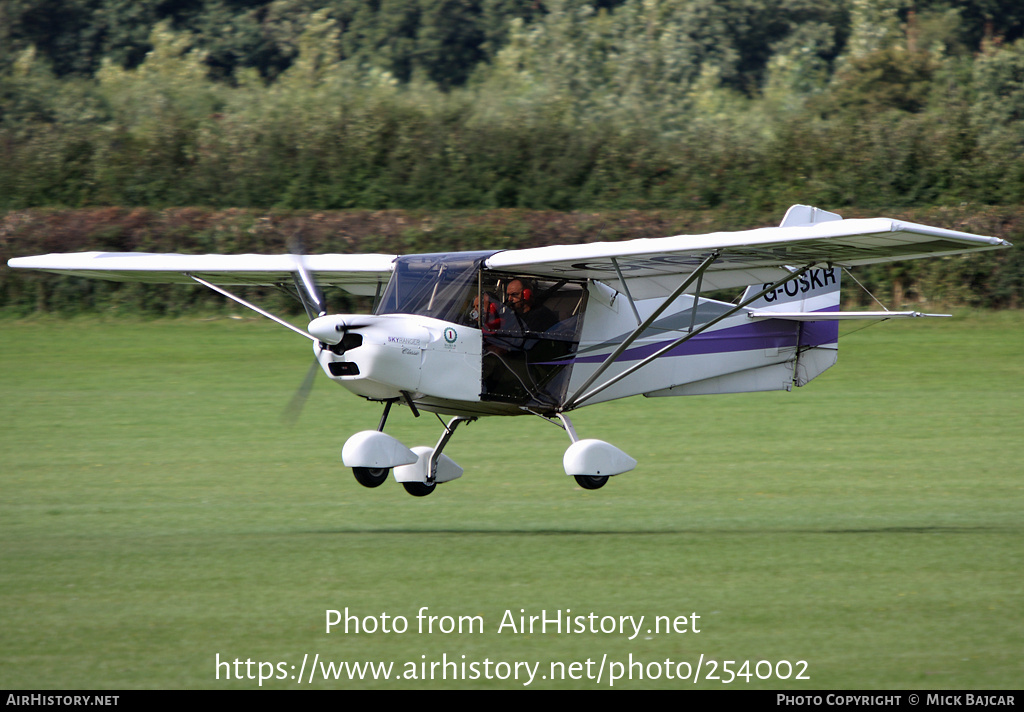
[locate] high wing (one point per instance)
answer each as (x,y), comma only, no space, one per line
(808,236)
(358,274)
(650,267)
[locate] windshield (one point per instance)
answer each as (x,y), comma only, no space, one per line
(441,286)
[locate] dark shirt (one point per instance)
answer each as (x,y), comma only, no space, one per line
(538,319)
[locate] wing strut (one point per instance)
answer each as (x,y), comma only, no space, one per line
(625,288)
(250,305)
(576,400)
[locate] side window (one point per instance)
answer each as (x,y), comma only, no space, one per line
(531,328)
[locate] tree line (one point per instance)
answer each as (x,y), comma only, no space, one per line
(480,104)
(446,40)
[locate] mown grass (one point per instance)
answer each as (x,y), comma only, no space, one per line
(155,513)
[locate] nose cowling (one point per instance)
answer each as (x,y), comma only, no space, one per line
(332,329)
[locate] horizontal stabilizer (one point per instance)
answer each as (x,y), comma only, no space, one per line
(838,316)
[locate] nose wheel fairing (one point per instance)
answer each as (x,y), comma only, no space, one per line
(421,471)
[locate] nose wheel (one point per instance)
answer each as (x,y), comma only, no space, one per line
(419,489)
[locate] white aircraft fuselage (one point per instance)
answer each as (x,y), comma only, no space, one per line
(458,368)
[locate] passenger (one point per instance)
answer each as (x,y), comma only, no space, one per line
(501,330)
(501,335)
(489,319)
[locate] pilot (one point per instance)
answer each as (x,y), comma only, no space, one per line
(531,364)
(521,295)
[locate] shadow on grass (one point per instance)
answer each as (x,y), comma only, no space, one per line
(664,532)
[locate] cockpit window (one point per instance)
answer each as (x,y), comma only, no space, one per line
(530,327)
(435,285)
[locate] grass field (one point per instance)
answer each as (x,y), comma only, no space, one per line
(155,514)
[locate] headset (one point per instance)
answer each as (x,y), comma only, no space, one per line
(528,288)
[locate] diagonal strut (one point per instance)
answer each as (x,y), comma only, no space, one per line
(577,400)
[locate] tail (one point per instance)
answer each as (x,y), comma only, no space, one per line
(809,300)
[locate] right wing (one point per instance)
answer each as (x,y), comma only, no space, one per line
(654,267)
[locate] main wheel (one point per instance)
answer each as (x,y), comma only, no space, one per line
(418,489)
(590,482)
(370,476)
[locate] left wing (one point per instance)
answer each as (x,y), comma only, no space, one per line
(652,267)
(358,274)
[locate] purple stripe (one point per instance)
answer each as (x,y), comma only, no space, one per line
(768,334)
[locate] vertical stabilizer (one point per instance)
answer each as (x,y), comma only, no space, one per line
(804,215)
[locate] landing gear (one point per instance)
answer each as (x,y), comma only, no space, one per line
(591,462)
(371,453)
(419,489)
(431,467)
(371,476)
(590,482)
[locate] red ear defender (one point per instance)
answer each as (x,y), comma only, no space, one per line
(527,295)
(493,321)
